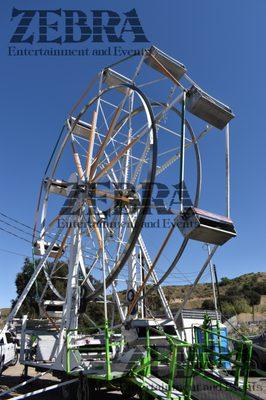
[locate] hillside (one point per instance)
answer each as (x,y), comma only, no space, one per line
(245,295)
(202,291)
(242,294)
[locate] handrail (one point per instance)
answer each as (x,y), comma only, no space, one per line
(198,357)
(174,343)
(222,336)
(107,343)
(242,354)
(182,343)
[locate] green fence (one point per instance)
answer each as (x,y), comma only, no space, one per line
(199,359)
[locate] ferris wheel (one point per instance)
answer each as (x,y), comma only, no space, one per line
(103,202)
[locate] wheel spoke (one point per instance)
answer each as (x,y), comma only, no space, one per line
(77,162)
(95,225)
(90,146)
(114,160)
(107,137)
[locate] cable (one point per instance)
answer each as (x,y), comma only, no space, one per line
(15,220)
(13,252)
(14,234)
(20,223)
(13,226)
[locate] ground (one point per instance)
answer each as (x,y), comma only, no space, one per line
(12,376)
(258,386)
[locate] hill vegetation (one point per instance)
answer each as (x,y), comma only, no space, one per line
(238,295)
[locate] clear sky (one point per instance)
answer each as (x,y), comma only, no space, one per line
(223,43)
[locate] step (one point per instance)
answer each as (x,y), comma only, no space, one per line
(157,387)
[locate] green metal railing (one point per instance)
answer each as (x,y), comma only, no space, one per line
(153,356)
(239,357)
(200,358)
(107,343)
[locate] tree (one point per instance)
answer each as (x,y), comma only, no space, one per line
(241,306)
(228,309)
(233,292)
(208,304)
(260,287)
(224,281)
(254,299)
(30,305)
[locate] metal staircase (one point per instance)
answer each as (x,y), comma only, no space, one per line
(157,388)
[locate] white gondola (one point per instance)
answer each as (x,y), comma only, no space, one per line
(165,62)
(40,248)
(207,108)
(81,129)
(206,227)
(52,308)
(113,78)
(57,186)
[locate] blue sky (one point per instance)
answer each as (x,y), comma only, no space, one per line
(223,45)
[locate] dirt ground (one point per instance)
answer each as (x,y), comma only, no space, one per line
(12,376)
(258,386)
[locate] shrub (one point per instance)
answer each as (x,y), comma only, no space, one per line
(260,287)
(224,281)
(228,309)
(241,306)
(207,304)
